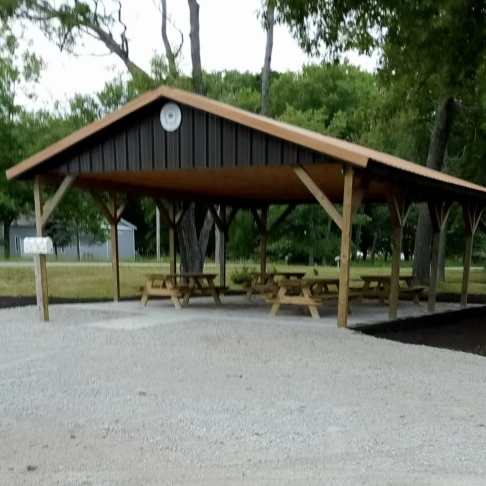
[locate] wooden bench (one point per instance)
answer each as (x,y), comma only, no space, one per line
(265,284)
(177,286)
(304,292)
(378,286)
(416,291)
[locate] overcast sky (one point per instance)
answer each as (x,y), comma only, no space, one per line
(231,38)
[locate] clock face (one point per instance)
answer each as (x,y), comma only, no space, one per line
(170,117)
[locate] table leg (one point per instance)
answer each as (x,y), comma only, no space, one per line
(312,308)
(188,291)
(416,299)
(214,292)
(173,296)
(364,290)
(145,293)
(250,289)
(382,286)
(276,305)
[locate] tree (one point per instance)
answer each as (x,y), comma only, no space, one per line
(269,22)
(66,24)
(18,71)
(169,52)
(412,36)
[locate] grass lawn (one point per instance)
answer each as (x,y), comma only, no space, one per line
(77,281)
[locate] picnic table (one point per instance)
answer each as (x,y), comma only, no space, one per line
(379,286)
(180,286)
(311,292)
(266,283)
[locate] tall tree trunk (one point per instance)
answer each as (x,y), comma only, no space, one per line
(193,249)
(171,57)
(435,160)
(197,80)
(269,23)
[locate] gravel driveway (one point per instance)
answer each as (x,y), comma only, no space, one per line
(106,395)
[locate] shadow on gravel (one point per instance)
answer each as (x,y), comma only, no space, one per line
(461,330)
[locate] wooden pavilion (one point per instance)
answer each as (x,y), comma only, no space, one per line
(220,155)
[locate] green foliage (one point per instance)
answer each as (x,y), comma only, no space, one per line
(242,276)
(243,237)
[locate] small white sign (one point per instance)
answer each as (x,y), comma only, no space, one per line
(170,117)
(38,246)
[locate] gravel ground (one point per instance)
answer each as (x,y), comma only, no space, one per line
(106,395)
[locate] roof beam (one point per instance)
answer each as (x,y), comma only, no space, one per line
(55,200)
(322,199)
(104,208)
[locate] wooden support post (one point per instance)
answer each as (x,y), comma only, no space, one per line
(434,267)
(399,206)
(114,247)
(157,233)
(395,272)
(439,212)
(263,241)
(472,216)
(466,268)
(223,235)
(345,247)
(172,248)
(40,260)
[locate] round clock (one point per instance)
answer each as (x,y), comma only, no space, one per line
(170,117)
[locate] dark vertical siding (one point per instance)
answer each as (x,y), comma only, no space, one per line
(173,152)
(84,162)
(160,143)
(187,138)
(228,157)
(97,158)
(244,146)
(258,148)
(214,141)
(121,151)
(109,155)
(133,145)
(274,151)
(146,145)
(289,154)
(201,146)
(202,141)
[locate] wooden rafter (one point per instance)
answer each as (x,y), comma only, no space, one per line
(261,228)
(472,217)
(217,220)
(180,213)
(439,212)
(58,196)
(399,203)
(164,213)
(103,207)
(322,199)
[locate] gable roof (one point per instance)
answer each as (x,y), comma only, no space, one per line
(344,151)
